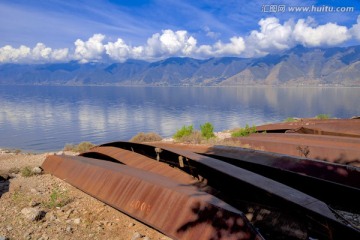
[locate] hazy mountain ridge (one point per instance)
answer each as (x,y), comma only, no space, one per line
(298,66)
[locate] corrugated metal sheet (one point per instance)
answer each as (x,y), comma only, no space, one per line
(180,211)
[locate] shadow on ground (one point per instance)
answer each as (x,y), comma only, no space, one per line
(4,185)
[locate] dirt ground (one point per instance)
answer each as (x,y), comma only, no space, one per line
(66,212)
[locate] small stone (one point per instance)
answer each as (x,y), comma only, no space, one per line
(36,170)
(146,238)
(33,203)
(136,236)
(68,213)
(51,216)
(32,214)
(131,225)
(69,229)
(44,237)
(77,221)
(9,228)
(59,153)
(33,190)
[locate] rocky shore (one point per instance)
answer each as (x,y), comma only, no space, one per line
(39,206)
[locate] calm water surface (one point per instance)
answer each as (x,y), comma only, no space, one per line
(39,118)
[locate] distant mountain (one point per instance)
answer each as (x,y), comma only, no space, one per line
(298,66)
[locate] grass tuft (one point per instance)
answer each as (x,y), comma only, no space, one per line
(183,132)
(80,148)
(290,119)
(146,137)
(243,132)
(26,172)
(323,116)
(57,199)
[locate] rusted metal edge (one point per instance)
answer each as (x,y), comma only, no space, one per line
(179,211)
(139,161)
(334,127)
(228,178)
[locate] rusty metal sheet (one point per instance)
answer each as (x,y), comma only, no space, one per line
(139,161)
(327,148)
(316,178)
(336,127)
(237,185)
(179,211)
(338,173)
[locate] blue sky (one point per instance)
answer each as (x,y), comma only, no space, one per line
(40,31)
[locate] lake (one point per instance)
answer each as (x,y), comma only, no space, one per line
(44,118)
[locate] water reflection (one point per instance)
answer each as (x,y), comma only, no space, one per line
(45,118)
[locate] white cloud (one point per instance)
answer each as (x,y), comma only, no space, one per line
(170,43)
(91,50)
(235,47)
(118,50)
(210,33)
(40,51)
(355,30)
(308,34)
(272,36)
(60,54)
(10,54)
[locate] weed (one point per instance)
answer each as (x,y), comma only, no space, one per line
(207,130)
(290,119)
(146,137)
(194,137)
(183,132)
(323,116)
(243,132)
(80,148)
(26,172)
(57,199)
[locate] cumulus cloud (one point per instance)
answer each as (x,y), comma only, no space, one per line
(271,36)
(355,30)
(170,43)
(329,34)
(40,53)
(235,47)
(10,54)
(91,50)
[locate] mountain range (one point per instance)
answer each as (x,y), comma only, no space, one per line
(297,66)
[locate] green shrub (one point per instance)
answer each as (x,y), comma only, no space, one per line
(207,130)
(57,199)
(183,132)
(80,148)
(146,137)
(290,119)
(26,172)
(243,132)
(323,116)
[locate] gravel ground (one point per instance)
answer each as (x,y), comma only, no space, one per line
(64,212)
